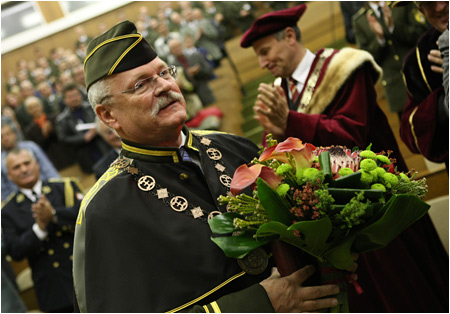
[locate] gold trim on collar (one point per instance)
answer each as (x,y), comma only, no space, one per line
(148,152)
(308,89)
(208,293)
(421,69)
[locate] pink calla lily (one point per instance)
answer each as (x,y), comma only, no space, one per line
(302,153)
(245,176)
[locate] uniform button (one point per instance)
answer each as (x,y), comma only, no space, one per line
(66,245)
(64,228)
(184,176)
(390,42)
(396,57)
(383,82)
(71,257)
(51,252)
(58,233)
(55,264)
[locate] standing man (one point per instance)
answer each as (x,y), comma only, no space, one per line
(424,125)
(38,223)
(388,34)
(327,98)
(9,142)
(151,207)
(333,102)
(111,137)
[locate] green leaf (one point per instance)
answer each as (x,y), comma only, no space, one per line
(222,224)
(313,234)
(344,195)
(276,207)
(340,255)
(349,181)
(238,246)
(325,165)
(399,213)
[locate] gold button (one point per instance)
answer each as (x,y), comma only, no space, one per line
(51,252)
(396,57)
(390,42)
(64,228)
(71,257)
(184,176)
(58,233)
(383,82)
(66,245)
(55,265)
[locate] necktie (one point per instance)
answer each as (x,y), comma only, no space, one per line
(36,197)
(184,154)
(380,10)
(294,91)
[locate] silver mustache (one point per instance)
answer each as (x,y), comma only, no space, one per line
(164,101)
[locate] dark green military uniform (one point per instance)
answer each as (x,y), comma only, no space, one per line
(142,240)
(409,24)
(51,259)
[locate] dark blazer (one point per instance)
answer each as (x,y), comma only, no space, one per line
(50,260)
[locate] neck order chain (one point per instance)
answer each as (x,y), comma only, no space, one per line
(179,203)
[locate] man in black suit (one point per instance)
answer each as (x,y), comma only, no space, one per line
(112,138)
(38,223)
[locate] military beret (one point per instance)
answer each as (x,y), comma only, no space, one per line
(119,49)
(272,22)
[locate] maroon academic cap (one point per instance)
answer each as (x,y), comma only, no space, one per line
(271,23)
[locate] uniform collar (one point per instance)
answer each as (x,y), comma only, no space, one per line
(37,188)
(157,153)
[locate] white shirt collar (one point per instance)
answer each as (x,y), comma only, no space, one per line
(183,139)
(374,7)
(37,188)
(301,72)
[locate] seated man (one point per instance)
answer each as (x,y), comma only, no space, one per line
(38,224)
(75,127)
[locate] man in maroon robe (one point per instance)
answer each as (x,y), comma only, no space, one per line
(332,101)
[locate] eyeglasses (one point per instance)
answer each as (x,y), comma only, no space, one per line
(148,83)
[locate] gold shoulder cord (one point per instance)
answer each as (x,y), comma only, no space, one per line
(312,81)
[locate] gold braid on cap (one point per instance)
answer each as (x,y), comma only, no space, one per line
(139,38)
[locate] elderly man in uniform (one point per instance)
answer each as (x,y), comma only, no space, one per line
(328,98)
(142,240)
(38,223)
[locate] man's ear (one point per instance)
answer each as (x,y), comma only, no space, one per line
(290,35)
(104,114)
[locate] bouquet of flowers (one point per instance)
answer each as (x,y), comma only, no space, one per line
(327,202)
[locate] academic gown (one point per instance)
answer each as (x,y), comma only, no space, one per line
(338,107)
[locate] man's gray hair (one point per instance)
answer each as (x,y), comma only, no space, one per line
(99,90)
(281,34)
(18,150)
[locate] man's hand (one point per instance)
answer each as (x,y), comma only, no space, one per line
(435,57)
(272,110)
(42,212)
(375,27)
(288,295)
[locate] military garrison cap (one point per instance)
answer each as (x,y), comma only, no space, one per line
(272,22)
(119,49)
